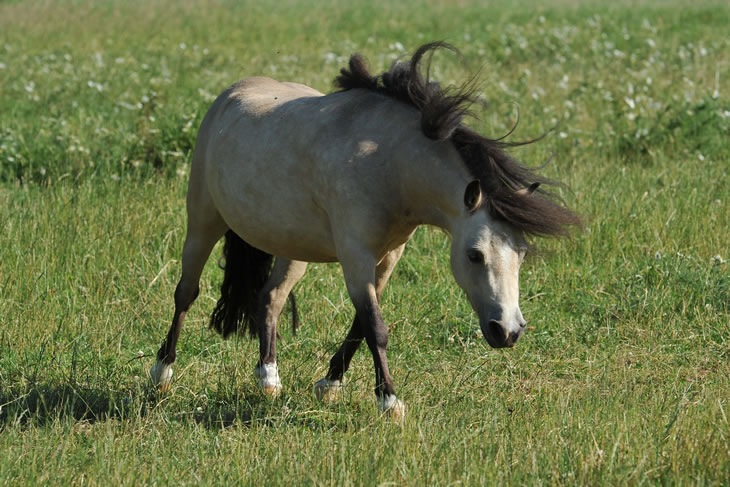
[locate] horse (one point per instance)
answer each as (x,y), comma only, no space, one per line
(289,175)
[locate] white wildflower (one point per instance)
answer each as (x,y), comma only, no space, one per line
(717,259)
(396,46)
(140,353)
(97,86)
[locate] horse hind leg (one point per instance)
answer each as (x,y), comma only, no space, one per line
(272,298)
(202,234)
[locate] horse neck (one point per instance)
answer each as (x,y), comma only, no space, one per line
(435,181)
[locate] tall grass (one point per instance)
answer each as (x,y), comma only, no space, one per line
(621,378)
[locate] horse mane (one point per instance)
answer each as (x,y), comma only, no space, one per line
(442,110)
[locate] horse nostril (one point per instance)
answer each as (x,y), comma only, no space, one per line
(513,337)
(495,329)
(523,324)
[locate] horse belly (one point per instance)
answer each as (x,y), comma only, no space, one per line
(285,236)
(278,215)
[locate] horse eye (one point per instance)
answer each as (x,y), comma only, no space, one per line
(475,256)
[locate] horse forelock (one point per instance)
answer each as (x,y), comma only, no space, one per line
(442,112)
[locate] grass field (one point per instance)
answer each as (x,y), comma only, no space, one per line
(623,377)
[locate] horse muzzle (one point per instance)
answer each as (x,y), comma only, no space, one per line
(498,336)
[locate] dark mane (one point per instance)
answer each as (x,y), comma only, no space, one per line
(442,111)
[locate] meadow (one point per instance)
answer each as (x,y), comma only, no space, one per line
(622,378)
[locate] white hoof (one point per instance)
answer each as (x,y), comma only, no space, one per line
(328,390)
(161,375)
(269,382)
(392,407)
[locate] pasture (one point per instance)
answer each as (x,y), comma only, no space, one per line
(623,376)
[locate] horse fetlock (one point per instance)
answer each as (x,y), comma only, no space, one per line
(391,406)
(327,390)
(161,375)
(269,382)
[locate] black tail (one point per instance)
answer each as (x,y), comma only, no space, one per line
(246,271)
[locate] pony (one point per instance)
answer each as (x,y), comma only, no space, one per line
(289,175)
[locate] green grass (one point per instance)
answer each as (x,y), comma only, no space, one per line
(623,377)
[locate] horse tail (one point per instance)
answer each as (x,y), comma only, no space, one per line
(246,271)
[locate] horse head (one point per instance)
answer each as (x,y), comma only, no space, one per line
(486,255)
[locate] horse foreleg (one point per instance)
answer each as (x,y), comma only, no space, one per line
(199,242)
(284,275)
(328,388)
(360,276)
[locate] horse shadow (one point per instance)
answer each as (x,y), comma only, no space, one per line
(44,404)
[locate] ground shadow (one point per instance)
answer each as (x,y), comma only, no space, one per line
(42,404)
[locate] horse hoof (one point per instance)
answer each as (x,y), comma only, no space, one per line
(327,390)
(161,375)
(269,382)
(392,407)
(272,392)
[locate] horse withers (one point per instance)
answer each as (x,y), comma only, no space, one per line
(289,176)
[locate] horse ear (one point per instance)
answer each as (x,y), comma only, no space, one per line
(473,195)
(528,191)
